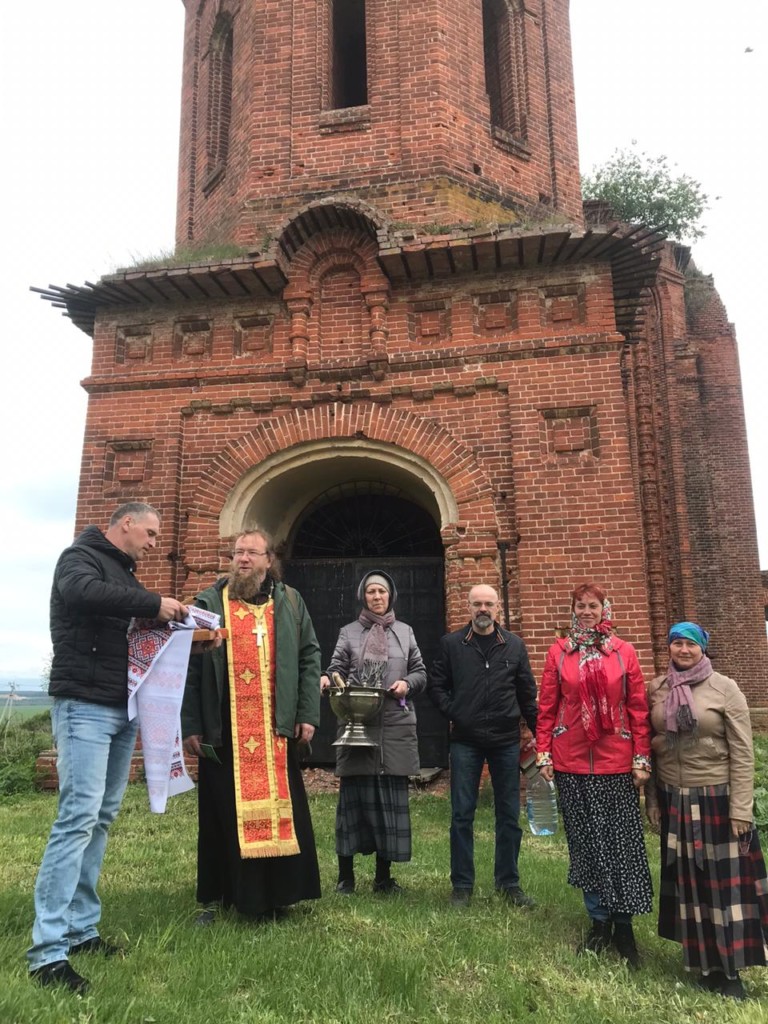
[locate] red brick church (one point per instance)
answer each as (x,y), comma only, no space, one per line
(425,356)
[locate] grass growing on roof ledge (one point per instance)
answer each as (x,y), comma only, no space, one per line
(203,254)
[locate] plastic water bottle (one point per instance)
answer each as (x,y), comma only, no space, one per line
(541,804)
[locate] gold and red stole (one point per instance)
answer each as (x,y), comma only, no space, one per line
(262,798)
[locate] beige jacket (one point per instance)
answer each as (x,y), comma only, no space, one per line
(722,752)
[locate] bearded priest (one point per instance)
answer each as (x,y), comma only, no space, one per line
(248,706)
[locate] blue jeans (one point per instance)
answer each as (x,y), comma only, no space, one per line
(466,768)
(94,744)
(598,912)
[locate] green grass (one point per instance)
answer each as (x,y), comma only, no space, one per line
(22,736)
(21,712)
(351,960)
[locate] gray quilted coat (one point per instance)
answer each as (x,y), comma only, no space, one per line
(398,751)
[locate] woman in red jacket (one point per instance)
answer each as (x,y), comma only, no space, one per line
(593,738)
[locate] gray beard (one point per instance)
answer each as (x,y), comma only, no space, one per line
(244,588)
(483,621)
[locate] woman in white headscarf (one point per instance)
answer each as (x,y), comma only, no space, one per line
(372,814)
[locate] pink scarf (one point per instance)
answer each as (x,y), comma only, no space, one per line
(374,650)
(679,709)
(592,644)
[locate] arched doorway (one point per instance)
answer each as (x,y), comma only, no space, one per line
(345,531)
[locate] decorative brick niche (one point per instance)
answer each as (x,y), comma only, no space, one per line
(430,321)
(133,343)
(567,433)
(494,312)
(563,304)
(253,334)
(126,463)
(192,339)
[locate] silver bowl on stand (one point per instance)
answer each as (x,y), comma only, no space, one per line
(357,706)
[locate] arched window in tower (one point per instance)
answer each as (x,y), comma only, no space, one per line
(505,73)
(219,94)
(348,53)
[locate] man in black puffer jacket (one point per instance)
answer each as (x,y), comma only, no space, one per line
(482,682)
(94,597)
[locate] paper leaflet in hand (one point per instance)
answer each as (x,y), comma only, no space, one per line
(158,657)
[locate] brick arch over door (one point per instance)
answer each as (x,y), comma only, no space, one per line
(446,468)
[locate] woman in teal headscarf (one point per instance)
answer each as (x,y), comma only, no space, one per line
(713,896)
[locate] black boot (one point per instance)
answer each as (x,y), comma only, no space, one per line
(598,937)
(383,882)
(711,982)
(624,943)
(346,883)
(733,988)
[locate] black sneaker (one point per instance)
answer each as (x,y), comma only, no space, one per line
(388,887)
(96,945)
(60,973)
(515,895)
(346,887)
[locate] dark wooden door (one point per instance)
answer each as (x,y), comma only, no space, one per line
(329,586)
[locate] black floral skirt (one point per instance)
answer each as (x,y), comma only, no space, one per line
(601,814)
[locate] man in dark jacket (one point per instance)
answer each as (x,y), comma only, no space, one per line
(93,599)
(482,682)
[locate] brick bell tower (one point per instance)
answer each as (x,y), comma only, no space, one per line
(441,112)
(415,348)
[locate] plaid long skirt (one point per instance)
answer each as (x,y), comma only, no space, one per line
(372,816)
(713,899)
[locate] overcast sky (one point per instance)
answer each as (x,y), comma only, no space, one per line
(89,107)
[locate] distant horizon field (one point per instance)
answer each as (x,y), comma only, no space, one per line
(29,696)
(35,702)
(23,684)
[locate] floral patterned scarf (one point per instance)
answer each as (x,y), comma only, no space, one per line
(592,644)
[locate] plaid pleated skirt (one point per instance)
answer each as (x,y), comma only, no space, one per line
(606,846)
(372,816)
(713,898)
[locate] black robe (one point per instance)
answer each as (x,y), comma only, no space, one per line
(254,886)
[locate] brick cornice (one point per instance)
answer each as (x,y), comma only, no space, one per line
(632,251)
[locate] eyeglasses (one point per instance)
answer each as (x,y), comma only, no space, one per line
(239,552)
